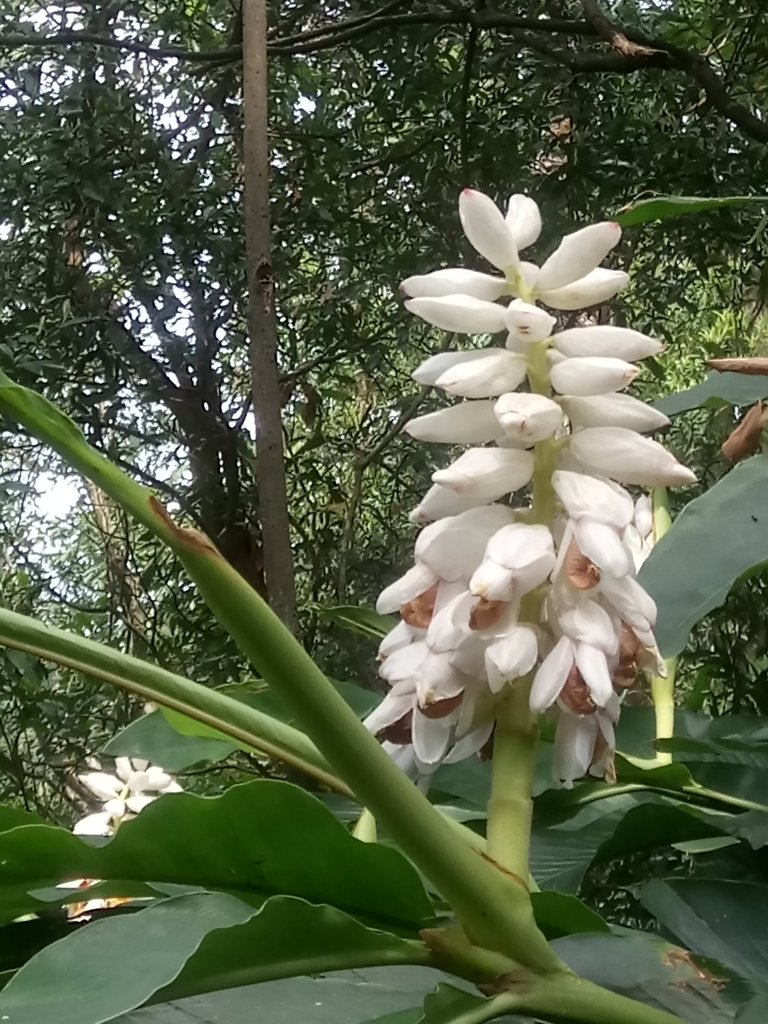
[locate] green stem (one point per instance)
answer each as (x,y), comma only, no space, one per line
(510,808)
(248,727)
(495,910)
(663,689)
(565,997)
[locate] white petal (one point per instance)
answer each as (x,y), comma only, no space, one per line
(437,679)
(605,340)
(602,545)
(403,664)
(551,675)
(466,423)
(527,274)
(418,579)
(634,544)
(431,737)
(592,375)
(449,627)
(644,515)
(453,280)
(528,417)
(574,746)
(592,664)
(439,502)
(492,581)
(498,371)
(524,220)
(139,764)
(115,808)
(101,784)
(631,601)
(597,287)
(157,778)
(486,229)
(136,804)
(470,744)
(583,495)
(453,547)
(400,636)
(577,255)
(519,545)
(512,656)
(431,369)
(123,768)
(584,621)
(139,781)
(487,472)
(394,707)
(613,411)
(629,458)
(461,314)
(527,323)
(94,825)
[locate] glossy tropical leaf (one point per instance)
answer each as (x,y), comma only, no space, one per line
(755,1011)
(729,524)
(558,914)
(650,970)
(153,737)
(720,919)
(253,839)
(664,207)
(716,390)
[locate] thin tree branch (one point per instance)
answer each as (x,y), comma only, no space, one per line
(262,326)
(606,29)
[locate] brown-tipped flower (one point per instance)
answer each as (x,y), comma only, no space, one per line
(581,573)
(485,614)
(398,732)
(418,612)
(575,694)
(756,366)
(442,708)
(630,649)
(744,440)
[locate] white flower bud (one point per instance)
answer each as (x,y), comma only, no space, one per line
(487,472)
(644,515)
(633,604)
(528,417)
(602,546)
(467,423)
(101,784)
(597,287)
(136,804)
(461,314)
(439,502)
(629,458)
(592,664)
(453,547)
(399,636)
(455,280)
(527,323)
(577,255)
(575,738)
(592,375)
(585,496)
(497,372)
(403,664)
(584,621)
(428,372)
(492,581)
(485,227)
(613,411)
(431,738)
(510,657)
(552,674)
(517,559)
(418,579)
(605,340)
(524,220)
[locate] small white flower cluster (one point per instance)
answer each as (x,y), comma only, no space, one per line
(134,785)
(498,593)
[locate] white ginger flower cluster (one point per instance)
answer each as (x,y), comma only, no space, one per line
(134,785)
(546,592)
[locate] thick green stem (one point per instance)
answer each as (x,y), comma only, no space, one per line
(492,907)
(510,808)
(663,689)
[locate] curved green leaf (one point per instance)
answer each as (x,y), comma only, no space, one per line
(259,838)
(714,540)
(664,207)
(358,619)
(153,737)
(716,390)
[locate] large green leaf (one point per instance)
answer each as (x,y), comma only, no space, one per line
(664,207)
(344,997)
(259,838)
(718,919)
(153,737)
(716,390)
(646,968)
(713,541)
(191,944)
